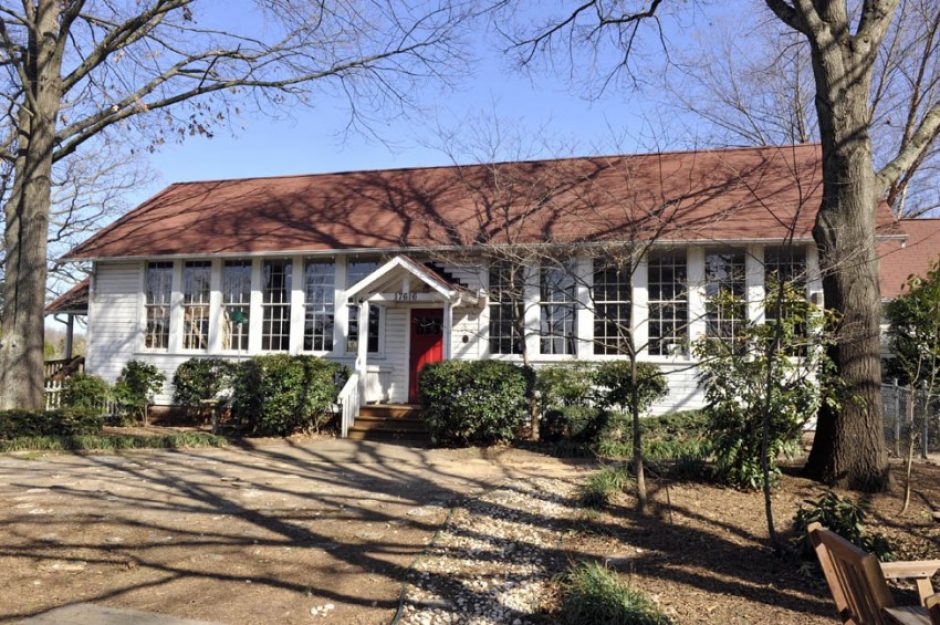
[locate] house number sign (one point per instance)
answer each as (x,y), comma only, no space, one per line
(406,297)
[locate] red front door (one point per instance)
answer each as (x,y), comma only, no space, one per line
(427,344)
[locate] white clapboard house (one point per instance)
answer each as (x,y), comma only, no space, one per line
(390,270)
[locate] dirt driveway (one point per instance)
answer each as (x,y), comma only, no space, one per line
(276,534)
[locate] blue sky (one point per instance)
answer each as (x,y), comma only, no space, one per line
(540,106)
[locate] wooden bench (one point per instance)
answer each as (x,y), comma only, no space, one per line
(859,588)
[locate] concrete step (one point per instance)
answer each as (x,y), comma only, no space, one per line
(390,411)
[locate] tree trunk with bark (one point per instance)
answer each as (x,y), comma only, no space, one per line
(27,216)
(849,445)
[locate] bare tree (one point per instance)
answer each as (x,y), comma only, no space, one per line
(757,88)
(73,69)
(845,40)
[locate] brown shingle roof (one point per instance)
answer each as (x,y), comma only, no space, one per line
(75,300)
(721,195)
(901,259)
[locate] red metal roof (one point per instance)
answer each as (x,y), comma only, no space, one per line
(901,259)
(720,195)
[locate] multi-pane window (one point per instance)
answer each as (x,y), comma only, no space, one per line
(236,304)
(725,293)
(356,270)
(506,296)
(610,292)
(158,291)
(668,303)
(786,265)
(319,283)
(275,304)
(196,291)
(557,310)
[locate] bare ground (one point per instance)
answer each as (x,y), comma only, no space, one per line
(234,536)
(268,534)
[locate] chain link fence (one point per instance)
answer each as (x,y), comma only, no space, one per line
(910,412)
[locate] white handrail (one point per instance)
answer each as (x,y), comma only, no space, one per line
(350,400)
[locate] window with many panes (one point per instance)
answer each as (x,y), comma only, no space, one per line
(725,293)
(610,292)
(196,289)
(319,284)
(275,305)
(158,293)
(557,309)
(667,284)
(786,265)
(236,304)
(506,293)
(356,270)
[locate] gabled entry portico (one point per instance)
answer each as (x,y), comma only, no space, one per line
(424,300)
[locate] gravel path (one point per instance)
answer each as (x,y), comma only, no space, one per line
(493,560)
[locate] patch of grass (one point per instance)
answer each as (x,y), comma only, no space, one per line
(106,442)
(602,484)
(593,595)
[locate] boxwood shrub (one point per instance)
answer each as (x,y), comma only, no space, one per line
(61,422)
(201,379)
(473,402)
(279,395)
(85,392)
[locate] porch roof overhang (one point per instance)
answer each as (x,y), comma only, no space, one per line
(375,286)
(72,302)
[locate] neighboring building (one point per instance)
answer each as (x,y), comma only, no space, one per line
(388,270)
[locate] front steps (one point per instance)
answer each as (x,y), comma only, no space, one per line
(390,422)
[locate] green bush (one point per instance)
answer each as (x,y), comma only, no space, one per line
(109,442)
(593,595)
(478,402)
(62,422)
(135,388)
(614,384)
(86,392)
(563,386)
(734,375)
(676,436)
(843,516)
(279,395)
(601,485)
(578,423)
(201,379)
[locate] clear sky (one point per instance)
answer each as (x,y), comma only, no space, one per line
(541,106)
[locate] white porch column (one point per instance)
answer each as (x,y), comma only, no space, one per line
(254,309)
(696,273)
(69,335)
(584,315)
(363,352)
(754,283)
(448,329)
(639,309)
(215,307)
(297,306)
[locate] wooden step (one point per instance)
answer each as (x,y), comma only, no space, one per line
(389,425)
(390,411)
(416,438)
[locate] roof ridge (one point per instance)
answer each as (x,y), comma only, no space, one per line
(554,159)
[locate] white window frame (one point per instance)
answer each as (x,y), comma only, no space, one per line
(326,308)
(185,306)
(224,306)
(285,305)
(143,347)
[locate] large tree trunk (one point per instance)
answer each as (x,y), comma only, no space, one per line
(27,219)
(849,445)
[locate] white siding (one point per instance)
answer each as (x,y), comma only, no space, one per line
(116,308)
